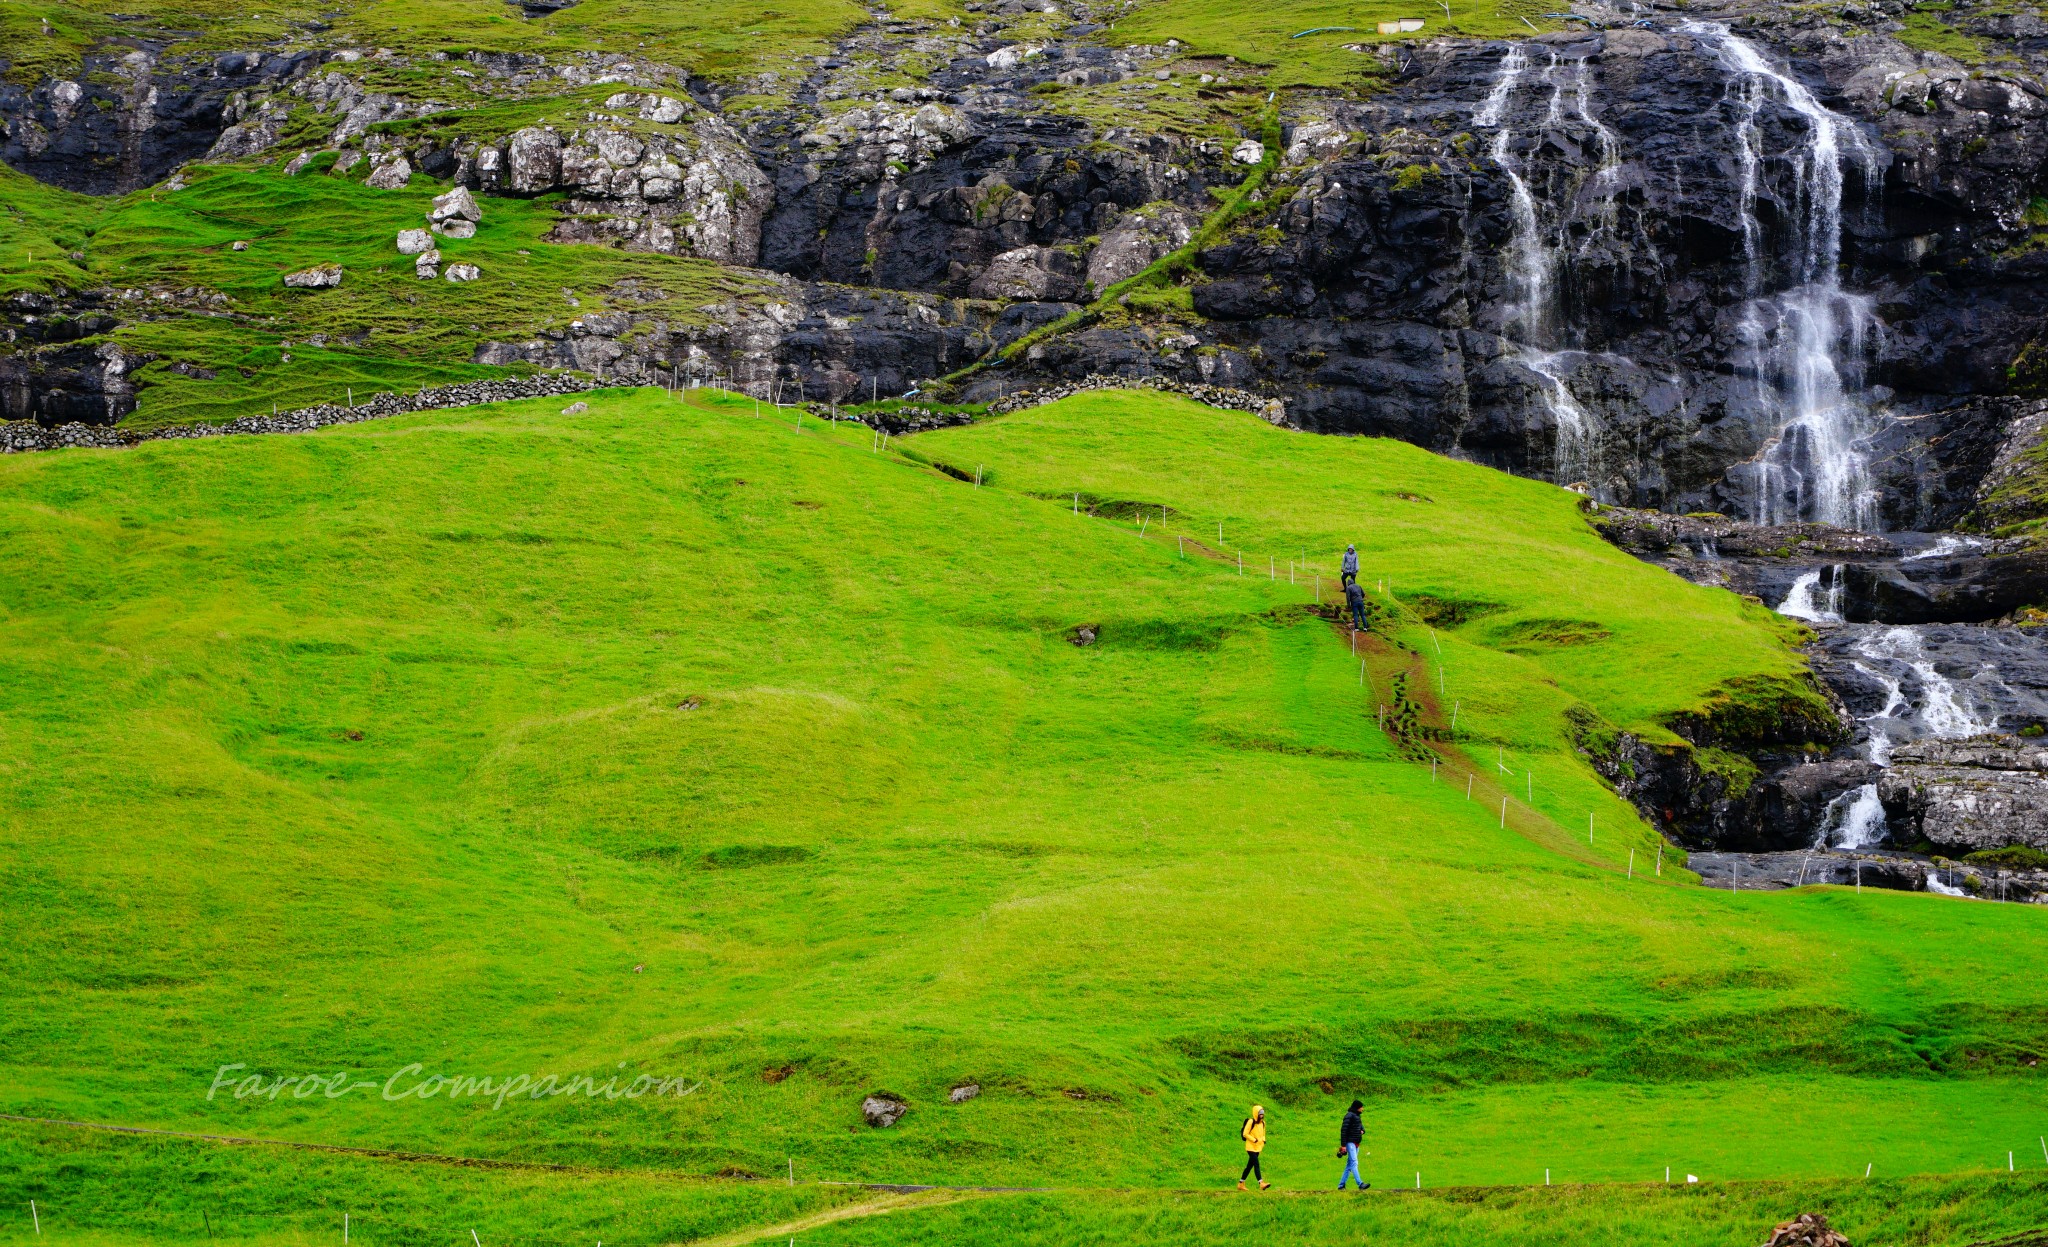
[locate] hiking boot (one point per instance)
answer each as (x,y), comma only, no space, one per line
(1365,1186)
(1240,1184)
(1263,1184)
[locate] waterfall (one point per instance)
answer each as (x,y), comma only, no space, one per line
(1805,338)
(1920,702)
(1536,256)
(1802,603)
(1854,820)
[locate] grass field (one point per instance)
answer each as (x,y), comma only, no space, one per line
(716,38)
(1276,37)
(381,329)
(670,740)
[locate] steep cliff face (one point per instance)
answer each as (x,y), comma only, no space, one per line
(1779,265)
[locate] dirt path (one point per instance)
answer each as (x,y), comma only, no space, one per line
(895,1201)
(1399,681)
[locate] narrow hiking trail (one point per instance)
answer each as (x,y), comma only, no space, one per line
(1408,710)
(1399,698)
(894,1201)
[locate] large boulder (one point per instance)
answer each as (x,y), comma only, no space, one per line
(1139,238)
(391,175)
(1038,274)
(319,277)
(414,241)
(533,161)
(883,1110)
(457,204)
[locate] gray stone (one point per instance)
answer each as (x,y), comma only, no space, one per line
(1137,240)
(392,175)
(414,241)
(964,1092)
(455,228)
(457,203)
(239,245)
(464,272)
(533,160)
(576,408)
(883,1112)
(1248,152)
(428,265)
(319,277)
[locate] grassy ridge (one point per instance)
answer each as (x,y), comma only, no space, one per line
(715,38)
(506,742)
(1264,34)
(381,329)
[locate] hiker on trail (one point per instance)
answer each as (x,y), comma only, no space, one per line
(1254,1132)
(1350,575)
(1349,1136)
(1355,596)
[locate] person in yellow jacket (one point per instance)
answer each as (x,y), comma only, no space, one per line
(1254,1133)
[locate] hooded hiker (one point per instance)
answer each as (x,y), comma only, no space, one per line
(1349,1136)
(1350,576)
(1355,596)
(1254,1133)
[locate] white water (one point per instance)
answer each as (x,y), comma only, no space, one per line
(1934,884)
(1807,600)
(1946,710)
(1854,820)
(1806,341)
(1947,544)
(1536,255)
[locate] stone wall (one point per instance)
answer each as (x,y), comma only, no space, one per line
(23,435)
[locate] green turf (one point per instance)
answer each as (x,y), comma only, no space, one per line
(1264,35)
(716,38)
(382,329)
(110,1189)
(506,742)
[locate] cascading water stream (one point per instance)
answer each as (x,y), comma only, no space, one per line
(1807,340)
(1939,709)
(1535,259)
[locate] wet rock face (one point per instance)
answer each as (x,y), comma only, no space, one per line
(1908,691)
(1591,256)
(1988,792)
(131,118)
(50,374)
(1821,573)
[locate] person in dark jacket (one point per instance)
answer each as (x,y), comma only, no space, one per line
(1349,1136)
(1350,570)
(1356,597)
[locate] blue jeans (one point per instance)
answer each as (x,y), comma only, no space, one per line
(1350,1167)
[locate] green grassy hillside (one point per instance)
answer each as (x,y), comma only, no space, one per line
(670,739)
(260,345)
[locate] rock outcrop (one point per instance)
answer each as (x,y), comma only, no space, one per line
(1963,796)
